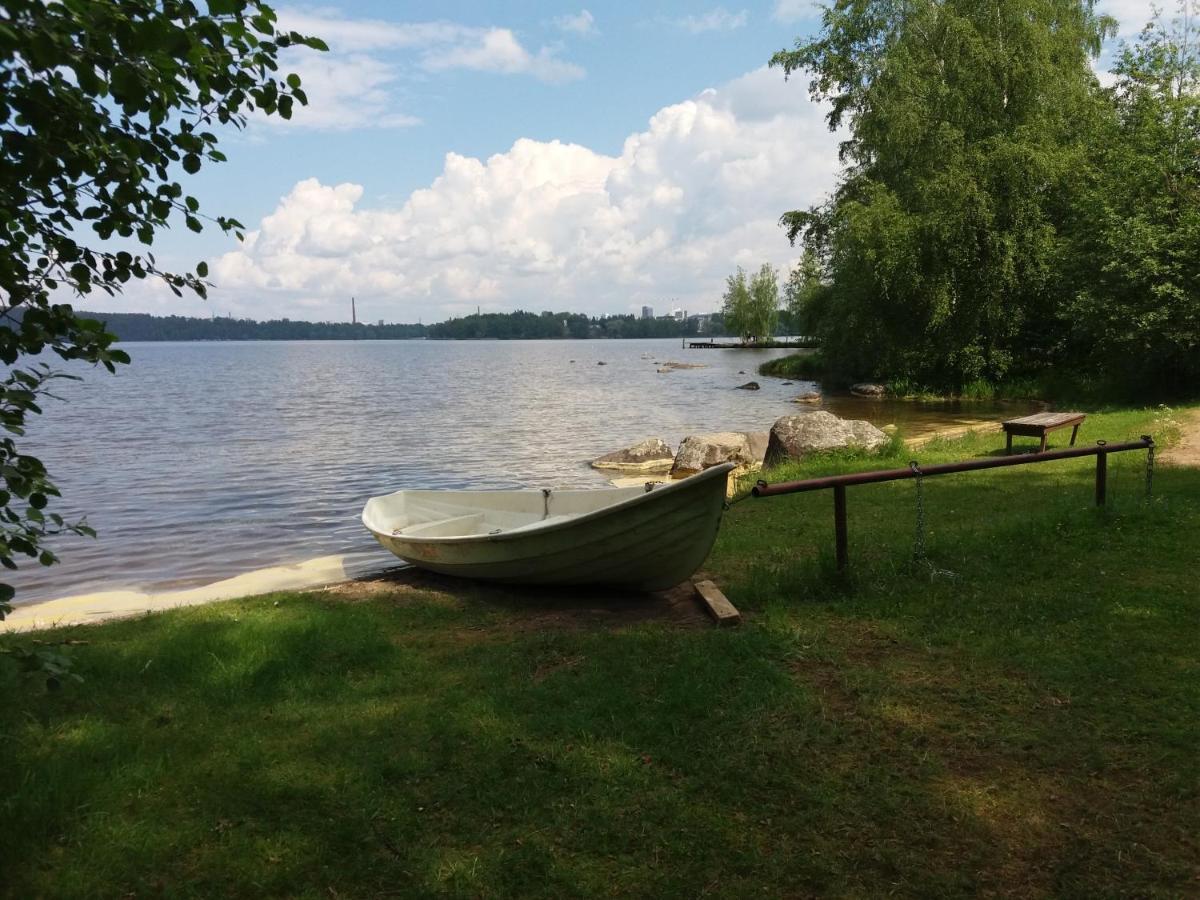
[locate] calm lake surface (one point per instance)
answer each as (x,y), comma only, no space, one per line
(201,461)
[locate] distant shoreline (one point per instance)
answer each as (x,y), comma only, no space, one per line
(518,325)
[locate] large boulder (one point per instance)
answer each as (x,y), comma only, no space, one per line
(794,437)
(703,451)
(654,453)
(758,441)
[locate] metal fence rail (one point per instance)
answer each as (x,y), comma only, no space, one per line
(839,483)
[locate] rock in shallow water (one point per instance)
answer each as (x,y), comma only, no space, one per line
(748,386)
(654,453)
(794,437)
(865,389)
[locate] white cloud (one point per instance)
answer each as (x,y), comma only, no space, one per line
(795,10)
(351,85)
(344,92)
(498,50)
(550,224)
(583,22)
(341,33)
(1132,15)
(718,19)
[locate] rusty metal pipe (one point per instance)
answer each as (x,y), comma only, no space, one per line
(762,489)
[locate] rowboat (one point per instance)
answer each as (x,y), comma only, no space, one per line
(649,537)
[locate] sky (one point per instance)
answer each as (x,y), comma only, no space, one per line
(502,156)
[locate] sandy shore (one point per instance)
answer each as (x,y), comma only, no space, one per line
(96,607)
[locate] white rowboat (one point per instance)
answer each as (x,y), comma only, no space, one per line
(645,537)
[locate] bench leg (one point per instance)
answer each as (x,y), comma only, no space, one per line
(1074,431)
(1008,445)
(1043,450)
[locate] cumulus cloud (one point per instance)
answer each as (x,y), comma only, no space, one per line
(582,22)
(548,224)
(719,19)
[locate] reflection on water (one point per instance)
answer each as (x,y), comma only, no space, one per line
(916,418)
(202,461)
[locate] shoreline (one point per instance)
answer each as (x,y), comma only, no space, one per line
(103,606)
(318,572)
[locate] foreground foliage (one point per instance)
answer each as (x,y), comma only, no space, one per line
(102,103)
(1020,722)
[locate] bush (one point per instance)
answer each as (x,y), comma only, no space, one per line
(801,366)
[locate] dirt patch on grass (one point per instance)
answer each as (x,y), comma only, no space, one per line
(1187,451)
(533,608)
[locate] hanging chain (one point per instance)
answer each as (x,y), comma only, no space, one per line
(918,553)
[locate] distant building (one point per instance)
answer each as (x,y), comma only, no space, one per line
(679,315)
(647,312)
(381,323)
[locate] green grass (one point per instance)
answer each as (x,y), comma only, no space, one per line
(1019,718)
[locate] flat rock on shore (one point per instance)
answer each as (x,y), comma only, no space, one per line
(651,454)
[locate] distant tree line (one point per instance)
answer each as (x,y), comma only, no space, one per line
(144,327)
(520,324)
(487,326)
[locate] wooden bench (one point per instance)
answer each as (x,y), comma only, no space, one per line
(1040,425)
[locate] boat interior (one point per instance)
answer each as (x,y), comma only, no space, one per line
(449,514)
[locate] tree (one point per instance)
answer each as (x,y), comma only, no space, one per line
(764,302)
(969,121)
(736,305)
(103,103)
(751,311)
(1134,313)
(804,295)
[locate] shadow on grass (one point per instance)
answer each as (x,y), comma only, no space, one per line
(533,607)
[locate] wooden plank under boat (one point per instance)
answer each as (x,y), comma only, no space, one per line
(647,537)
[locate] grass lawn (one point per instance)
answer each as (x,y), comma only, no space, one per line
(1017,718)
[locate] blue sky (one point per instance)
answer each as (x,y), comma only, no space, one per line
(503,155)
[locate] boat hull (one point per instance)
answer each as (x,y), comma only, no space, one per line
(646,541)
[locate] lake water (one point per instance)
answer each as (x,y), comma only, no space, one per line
(201,461)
